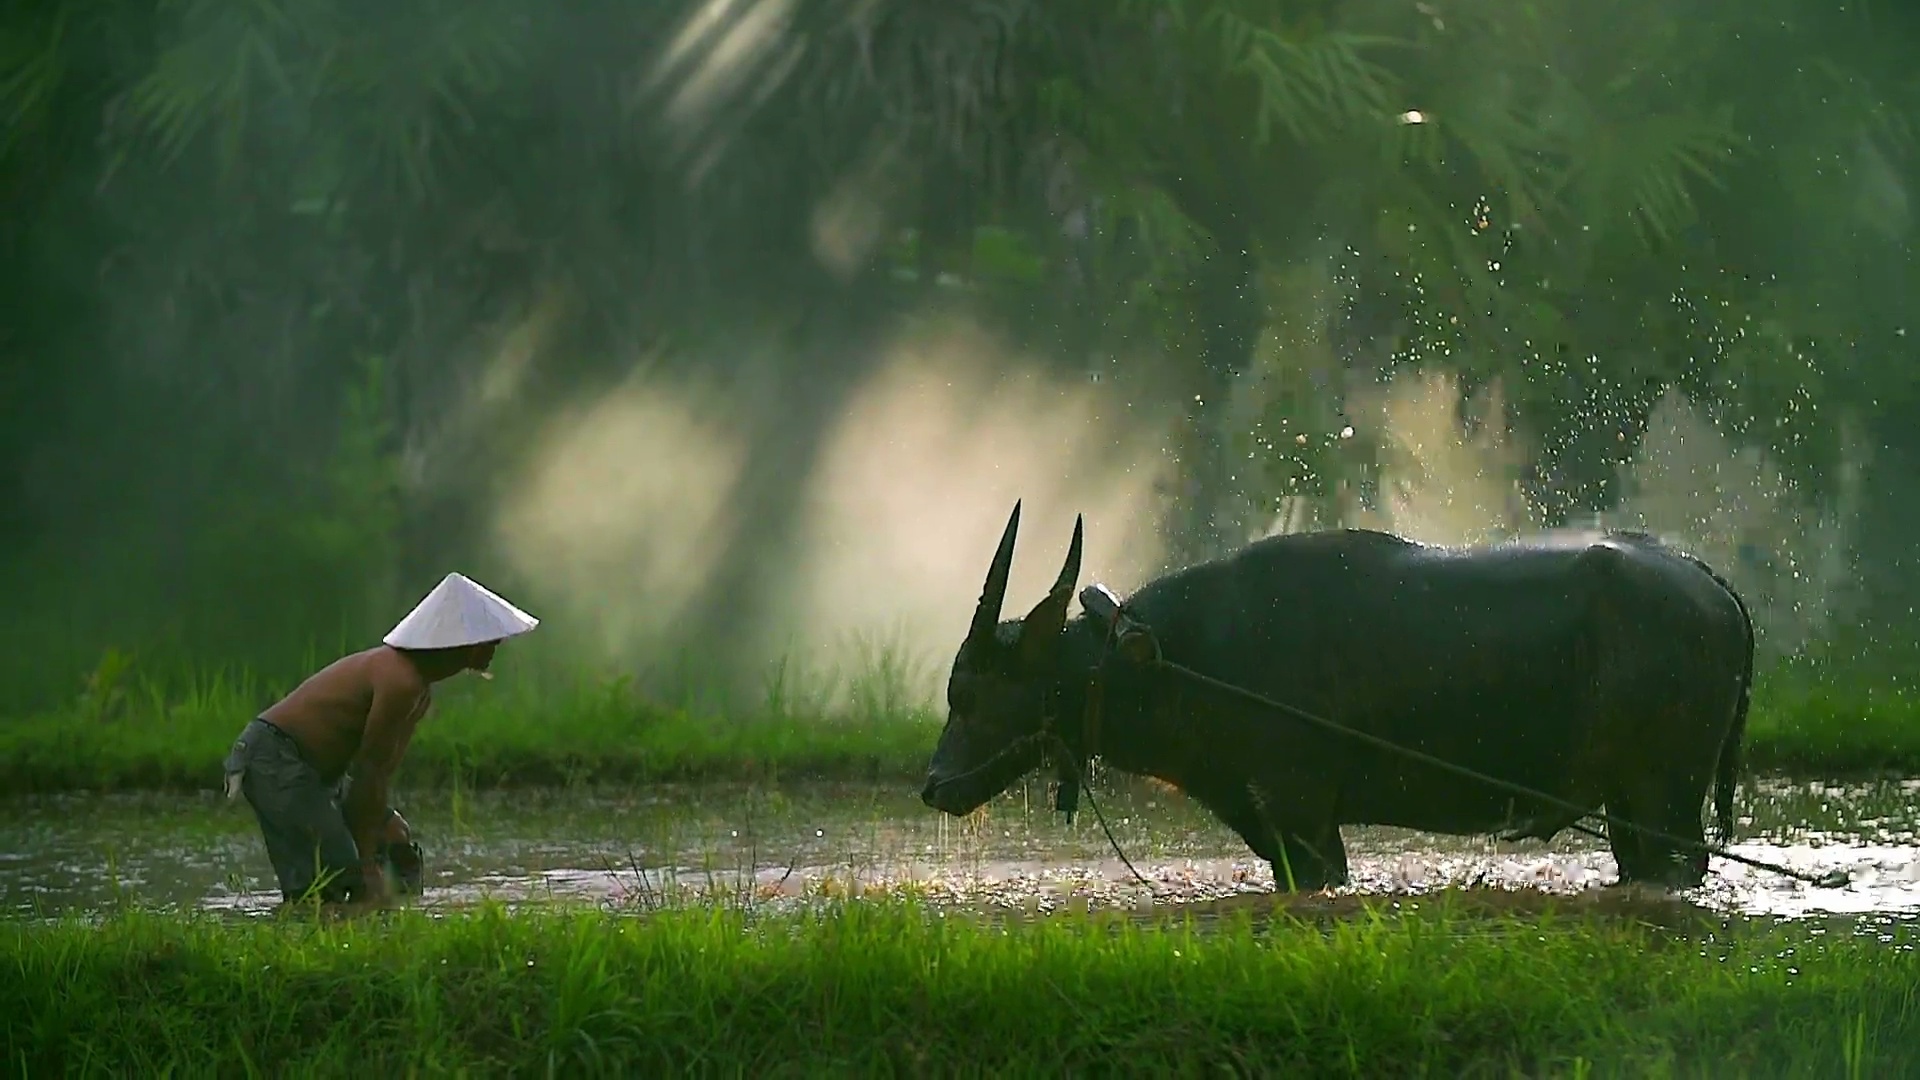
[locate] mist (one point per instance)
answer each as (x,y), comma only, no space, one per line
(625,506)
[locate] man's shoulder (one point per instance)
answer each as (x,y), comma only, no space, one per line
(389,670)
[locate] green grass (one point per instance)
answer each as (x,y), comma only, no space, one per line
(128,733)
(535,732)
(894,989)
(1832,725)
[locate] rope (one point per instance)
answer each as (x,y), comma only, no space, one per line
(1080,777)
(1832,879)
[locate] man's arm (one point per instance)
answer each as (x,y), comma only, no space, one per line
(390,725)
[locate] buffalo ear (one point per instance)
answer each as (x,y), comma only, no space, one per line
(1138,647)
(1042,626)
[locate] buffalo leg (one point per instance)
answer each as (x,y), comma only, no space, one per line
(1542,828)
(1239,814)
(1629,846)
(1331,849)
(1316,862)
(1682,866)
(1685,789)
(1672,806)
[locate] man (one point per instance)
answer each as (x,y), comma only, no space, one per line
(354,718)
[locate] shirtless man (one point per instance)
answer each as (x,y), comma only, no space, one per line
(317,766)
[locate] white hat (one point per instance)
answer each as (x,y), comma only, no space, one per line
(459,611)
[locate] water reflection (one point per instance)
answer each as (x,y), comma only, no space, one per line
(786,845)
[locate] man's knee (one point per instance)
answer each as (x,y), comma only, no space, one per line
(331,885)
(309,860)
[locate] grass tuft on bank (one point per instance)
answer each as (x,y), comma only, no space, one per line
(897,989)
(525,730)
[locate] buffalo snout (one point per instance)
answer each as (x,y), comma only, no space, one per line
(943,794)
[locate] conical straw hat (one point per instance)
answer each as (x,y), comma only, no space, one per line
(459,611)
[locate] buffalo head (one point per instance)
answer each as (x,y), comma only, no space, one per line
(1001,688)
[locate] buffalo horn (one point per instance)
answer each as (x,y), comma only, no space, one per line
(987,614)
(1050,614)
(1069,573)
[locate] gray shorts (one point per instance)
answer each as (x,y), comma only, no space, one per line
(299,812)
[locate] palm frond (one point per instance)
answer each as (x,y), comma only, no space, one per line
(1311,83)
(1488,122)
(1173,14)
(32,67)
(411,86)
(1102,128)
(1171,240)
(223,58)
(1641,173)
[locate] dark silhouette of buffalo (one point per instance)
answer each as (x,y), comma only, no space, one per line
(1612,671)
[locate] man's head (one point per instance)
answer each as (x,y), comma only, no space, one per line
(480,657)
(439,664)
(998,692)
(457,628)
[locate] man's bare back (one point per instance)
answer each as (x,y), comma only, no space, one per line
(327,714)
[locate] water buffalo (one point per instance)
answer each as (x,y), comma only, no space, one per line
(1612,671)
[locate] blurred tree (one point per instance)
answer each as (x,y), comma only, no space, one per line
(218,211)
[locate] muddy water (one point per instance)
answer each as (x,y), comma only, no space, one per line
(672,844)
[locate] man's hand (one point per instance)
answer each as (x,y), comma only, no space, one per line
(374,891)
(399,833)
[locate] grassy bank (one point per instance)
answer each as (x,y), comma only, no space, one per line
(1834,725)
(520,731)
(888,987)
(550,732)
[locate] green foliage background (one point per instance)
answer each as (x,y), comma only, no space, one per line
(250,249)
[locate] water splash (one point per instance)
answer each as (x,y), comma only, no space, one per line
(1449,468)
(1447,475)
(1790,557)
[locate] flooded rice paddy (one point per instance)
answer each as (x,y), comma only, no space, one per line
(670,844)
